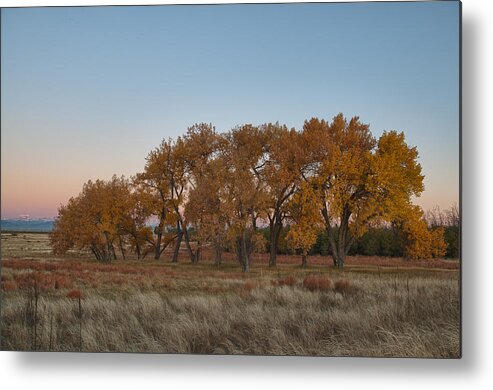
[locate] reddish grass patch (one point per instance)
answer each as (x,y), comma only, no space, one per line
(377,261)
(249,285)
(3,278)
(224,274)
(9,285)
(320,283)
(400,262)
(61,281)
(51,276)
(343,286)
(75,294)
(43,281)
(245,289)
(79,267)
(216,289)
(285,281)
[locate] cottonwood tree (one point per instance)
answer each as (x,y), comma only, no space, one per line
(206,208)
(245,193)
(304,211)
(177,180)
(94,219)
(359,180)
(281,174)
(135,224)
(449,221)
(199,149)
(157,194)
(421,241)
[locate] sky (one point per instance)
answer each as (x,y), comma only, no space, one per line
(88,92)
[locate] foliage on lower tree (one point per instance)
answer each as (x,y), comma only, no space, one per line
(99,219)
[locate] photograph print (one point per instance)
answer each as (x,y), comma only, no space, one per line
(233,179)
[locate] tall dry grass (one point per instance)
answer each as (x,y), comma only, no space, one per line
(375,307)
(370,316)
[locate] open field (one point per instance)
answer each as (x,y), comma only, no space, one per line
(374,307)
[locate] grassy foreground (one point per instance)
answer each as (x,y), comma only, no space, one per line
(75,304)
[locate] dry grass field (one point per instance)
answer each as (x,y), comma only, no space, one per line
(374,307)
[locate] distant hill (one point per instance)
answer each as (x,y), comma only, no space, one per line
(26,225)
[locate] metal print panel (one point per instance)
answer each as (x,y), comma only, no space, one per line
(261,179)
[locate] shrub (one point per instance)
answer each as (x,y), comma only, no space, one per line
(314,282)
(343,286)
(452,238)
(244,289)
(249,285)
(285,281)
(9,285)
(61,281)
(75,294)
(3,278)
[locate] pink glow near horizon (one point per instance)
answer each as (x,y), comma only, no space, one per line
(38,200)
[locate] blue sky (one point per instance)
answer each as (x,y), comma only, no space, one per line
(88,92)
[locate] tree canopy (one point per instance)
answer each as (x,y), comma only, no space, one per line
(222,186)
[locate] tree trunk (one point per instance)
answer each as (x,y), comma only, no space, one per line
(340,246)
(304,262)
(96,253)
(336,250)
(137,250)
(242,252)
(189,247)
(246,265)
(157,247)
(340,259)
(272,245)
(218,251)
(245,254)
(110,255)
(198,254)
(113,253)
(239,255)
(340,250)
(272,254)
(341,239)
(179,237)
(338,255)
(103,254)
(333,246)
(158,230)
(122,249)
(184,231)
(330,235)
(275,232)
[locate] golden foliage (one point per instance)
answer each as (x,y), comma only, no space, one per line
(94,219)
(422,242)
(335,175)
(303,209)
(360,181)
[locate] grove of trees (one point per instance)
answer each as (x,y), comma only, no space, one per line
(225,191)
